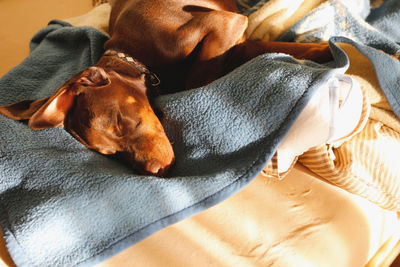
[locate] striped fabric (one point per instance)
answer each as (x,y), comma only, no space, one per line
(366,162)
(367,165)
(271,169)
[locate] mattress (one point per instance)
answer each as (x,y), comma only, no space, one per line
(299,221)
(302,220)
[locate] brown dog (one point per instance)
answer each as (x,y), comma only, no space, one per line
(187,43)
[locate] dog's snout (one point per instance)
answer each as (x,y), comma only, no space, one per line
(161,161)
(156,167)
(153,166)
(151,160)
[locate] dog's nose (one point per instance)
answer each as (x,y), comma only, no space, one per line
(153,166)
(158,168)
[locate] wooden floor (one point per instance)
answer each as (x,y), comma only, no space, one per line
(15,33)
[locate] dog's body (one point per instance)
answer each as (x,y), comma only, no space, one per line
(177,39)
(186,43)
(189,43)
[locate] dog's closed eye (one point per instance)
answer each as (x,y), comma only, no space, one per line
(119,125)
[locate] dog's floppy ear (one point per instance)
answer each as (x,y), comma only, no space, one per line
(22,110)
(50,112)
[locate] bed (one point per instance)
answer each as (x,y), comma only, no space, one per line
(300,217)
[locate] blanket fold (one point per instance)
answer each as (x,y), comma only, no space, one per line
(371,30)
(64,205)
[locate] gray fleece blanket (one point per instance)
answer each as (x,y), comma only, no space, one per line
(64,205)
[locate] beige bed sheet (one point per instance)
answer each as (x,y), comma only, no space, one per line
(300,221)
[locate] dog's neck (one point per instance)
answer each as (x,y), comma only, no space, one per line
(123,64)
(153,79)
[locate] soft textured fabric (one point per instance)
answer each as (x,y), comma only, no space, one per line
(332,114)
(356,20)
(366,165)
(374,64)
(291,148)
(97,18)
(275,17)
(371,23)
(298,221)
(62,204)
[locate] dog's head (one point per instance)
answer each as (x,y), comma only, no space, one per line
(106,111)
